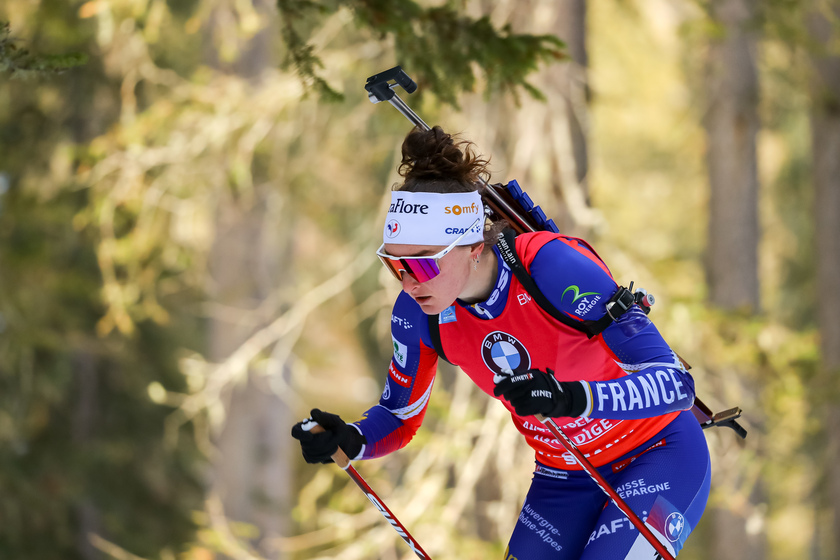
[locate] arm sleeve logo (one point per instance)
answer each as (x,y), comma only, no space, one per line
(400,352)
(399,378)
(576,295)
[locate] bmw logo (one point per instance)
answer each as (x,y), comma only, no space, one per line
(502,351)
(674,525)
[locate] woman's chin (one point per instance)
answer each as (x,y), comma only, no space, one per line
(431,306)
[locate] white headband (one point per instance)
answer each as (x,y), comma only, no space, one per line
(434,219)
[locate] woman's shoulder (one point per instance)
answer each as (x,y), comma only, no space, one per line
(544,245)
(408,322)
(573,277)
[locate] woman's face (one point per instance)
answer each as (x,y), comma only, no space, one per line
(440,292)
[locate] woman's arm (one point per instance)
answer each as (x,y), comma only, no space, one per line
(392,423)
(577,284)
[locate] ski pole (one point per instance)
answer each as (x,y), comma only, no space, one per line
(343,461)
(593,473)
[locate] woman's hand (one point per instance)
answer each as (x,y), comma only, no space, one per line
(319,447)
(538,392)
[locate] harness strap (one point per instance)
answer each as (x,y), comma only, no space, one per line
(507,248)
(434,330)
(618,304)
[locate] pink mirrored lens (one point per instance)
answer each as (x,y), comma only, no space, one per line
(421,270)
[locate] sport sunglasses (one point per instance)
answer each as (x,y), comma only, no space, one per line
(421,269)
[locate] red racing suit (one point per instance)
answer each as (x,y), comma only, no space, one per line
(635,384)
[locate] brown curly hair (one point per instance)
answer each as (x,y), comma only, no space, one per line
(437,162)
(434,161)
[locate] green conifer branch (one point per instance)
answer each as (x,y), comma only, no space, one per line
(20,63)
(440,47)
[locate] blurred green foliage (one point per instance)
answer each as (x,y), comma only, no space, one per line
(78,430)
(112,177)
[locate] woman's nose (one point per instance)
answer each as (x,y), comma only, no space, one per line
(408,283)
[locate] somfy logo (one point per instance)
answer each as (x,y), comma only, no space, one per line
(458,210)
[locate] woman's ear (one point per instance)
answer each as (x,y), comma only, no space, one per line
(476,250)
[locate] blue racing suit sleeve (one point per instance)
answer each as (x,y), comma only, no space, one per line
(575,282)
(392,423)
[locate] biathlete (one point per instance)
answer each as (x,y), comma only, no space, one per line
(622,395)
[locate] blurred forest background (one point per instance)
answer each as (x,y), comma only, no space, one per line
(191,193)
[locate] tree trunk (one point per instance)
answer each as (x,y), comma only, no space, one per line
(732,249)
(731,125)
(825,134)
(544,143)
(570,81)
(89,519)
(251,471)
(249,262)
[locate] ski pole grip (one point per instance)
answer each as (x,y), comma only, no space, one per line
(379,88)
(340,457)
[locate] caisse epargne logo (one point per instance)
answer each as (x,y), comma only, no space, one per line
(503,353)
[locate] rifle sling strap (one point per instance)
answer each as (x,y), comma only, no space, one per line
(621,301)
(618,304)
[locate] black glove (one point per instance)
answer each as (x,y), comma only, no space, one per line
(318,448)
(538,392)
